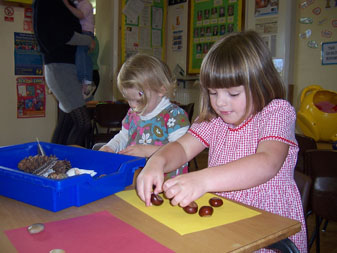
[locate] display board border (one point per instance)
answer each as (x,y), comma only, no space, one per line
(236,21)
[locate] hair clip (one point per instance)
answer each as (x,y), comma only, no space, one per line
(141,93)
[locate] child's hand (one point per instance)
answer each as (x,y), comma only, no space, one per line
(184,189)
(150,176)
(106,149)
(135,150)
(92,44)
(139,150)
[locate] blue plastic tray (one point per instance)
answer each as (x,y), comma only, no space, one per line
(55,195)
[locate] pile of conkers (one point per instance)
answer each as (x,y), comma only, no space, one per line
(192,208)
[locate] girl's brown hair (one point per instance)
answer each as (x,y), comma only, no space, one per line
(145,72)
(240,59)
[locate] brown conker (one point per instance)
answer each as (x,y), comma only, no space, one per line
(156,199)
(206,211)
(191,208)
(215,202)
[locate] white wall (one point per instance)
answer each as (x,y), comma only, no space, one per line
(14,130)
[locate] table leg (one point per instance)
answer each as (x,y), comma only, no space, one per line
(285,245)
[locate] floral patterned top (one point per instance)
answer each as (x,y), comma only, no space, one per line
(166,123)
(156,130)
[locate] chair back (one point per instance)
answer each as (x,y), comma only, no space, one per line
(304,143)
(189,109)
(324,197)
(322,168)
(303,183)
(108,116)
(321,163)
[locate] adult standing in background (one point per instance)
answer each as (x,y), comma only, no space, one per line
(58,32)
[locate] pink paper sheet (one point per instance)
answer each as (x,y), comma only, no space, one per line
(97,232)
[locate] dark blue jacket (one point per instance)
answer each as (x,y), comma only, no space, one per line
(54,25)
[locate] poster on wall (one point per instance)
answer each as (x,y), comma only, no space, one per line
(27,57)
(329,53)
(266,7)
(175,20)
(9,14)
(210,21)
(31,97)
(28,20)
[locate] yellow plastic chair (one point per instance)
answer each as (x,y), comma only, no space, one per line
(317,116)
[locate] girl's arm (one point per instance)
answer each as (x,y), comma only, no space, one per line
(117,143)
(149,150)
(76,12)
(243,173)
(142,150)
(166,159)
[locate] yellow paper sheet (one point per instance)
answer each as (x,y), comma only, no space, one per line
(177,219)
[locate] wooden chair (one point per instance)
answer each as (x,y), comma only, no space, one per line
(304,143)
(321,163)
(324,204)
(107,121)
(303,183)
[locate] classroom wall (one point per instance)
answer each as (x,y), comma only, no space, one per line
(307,64)
(12,129)
(302,64)
(308,68)
(15,131)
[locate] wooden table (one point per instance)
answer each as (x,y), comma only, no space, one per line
(242,236)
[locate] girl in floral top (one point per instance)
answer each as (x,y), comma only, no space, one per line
(152,121)
(249,130)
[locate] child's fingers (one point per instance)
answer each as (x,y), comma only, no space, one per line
(158,188)
(147,194)
(169,183)
(144,190)
(140,191)
(171,189)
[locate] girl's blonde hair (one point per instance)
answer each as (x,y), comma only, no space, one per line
(240,59)
(145,72)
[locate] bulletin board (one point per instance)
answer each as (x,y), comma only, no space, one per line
(143,26)
(210,20)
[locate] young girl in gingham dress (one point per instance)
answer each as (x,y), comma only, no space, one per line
(249,130)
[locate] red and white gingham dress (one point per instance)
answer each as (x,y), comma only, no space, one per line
(280,194)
